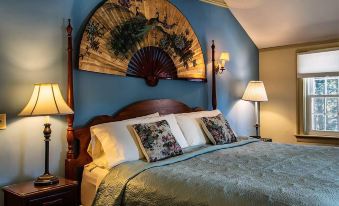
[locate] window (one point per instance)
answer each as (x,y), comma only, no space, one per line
(318,71)
(322,104)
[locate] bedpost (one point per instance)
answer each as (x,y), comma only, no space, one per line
(69,173)
(214,93)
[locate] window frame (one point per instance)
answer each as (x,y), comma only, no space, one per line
(307,107)
(301,134)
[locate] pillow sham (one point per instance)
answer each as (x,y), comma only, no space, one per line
(170,118)
(191,128)
(218,130)
(96,151)
(119,142)
(157,140)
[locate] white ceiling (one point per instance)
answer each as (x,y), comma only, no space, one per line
(272,23)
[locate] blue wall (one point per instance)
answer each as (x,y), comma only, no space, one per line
(33,49)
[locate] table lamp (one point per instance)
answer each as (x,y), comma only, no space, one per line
(46,100)
(255,92)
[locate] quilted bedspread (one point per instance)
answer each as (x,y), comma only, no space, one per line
(248,172)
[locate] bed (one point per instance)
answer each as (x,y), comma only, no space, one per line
(246,172)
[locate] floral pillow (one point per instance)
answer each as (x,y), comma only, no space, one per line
(218,130)
(157,141)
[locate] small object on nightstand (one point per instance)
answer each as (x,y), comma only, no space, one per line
(24,194)
(266,139)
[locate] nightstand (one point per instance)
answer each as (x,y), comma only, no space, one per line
(266,139)
(26,194)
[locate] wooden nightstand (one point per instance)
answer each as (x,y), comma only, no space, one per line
(26,194)
(266,139)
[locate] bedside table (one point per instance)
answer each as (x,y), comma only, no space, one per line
(266,139)
(26,194)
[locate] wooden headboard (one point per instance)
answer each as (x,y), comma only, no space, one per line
(78,139)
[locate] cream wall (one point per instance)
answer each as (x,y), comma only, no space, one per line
(278,70)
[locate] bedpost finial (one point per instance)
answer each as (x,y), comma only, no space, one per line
(69,27)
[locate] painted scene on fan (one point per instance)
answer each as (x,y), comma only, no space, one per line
(141,38)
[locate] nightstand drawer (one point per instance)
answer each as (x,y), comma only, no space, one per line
(58,199)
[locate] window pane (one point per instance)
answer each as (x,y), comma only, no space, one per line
(319,86)
(318,122)
(332,86)
(331,114)
(332,105)
(318,105)
(331,122)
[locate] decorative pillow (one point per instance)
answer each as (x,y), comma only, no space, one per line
(190,125)
(218,130)
(157,141)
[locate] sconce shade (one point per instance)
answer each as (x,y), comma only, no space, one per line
(225,56)
(46,100)
(255,92)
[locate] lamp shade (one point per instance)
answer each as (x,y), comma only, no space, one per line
(46,100)
(225,56)
(255,92)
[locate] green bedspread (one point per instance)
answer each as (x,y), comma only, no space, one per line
(248,172)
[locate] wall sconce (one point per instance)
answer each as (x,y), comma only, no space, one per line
(224,58)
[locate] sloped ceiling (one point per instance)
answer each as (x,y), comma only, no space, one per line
(272,23)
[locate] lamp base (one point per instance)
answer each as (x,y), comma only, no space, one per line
(46,179)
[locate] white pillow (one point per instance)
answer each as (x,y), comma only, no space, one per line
(191,127)
(119,142)
(96,151)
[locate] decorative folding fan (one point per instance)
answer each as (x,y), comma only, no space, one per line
(142,38)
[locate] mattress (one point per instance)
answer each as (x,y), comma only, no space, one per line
(91,179)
